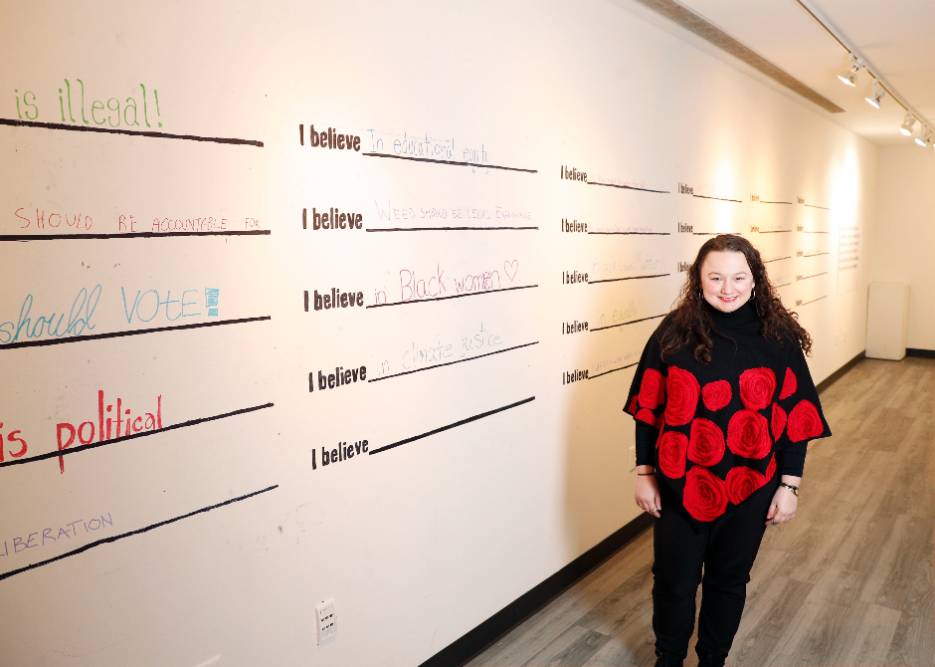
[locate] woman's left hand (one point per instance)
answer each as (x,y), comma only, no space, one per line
(783,507)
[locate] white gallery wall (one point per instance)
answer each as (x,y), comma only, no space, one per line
(904,236)
(415,412)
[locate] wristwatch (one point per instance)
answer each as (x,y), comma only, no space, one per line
(792,488)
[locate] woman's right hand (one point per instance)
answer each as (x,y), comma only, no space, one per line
(647,494)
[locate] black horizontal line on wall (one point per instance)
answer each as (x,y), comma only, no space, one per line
(450,363)
(128,235)
(132,133)
(446,427)
(454,296)
(453,163)
(129,332)
(131,533)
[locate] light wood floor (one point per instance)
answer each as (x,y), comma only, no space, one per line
(847,583)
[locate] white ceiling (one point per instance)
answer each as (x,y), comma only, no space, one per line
(897,38)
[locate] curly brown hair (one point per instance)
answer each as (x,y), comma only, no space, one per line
(688,325)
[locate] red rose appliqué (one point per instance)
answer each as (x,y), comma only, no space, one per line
(789,385)
(705,495)
(633,406)
(646,416)
(770,468)
(672,447)
(652,389)
(741,482)
(757,386)
(683,390)
(777,421)
(706,443)
(748,434)
(716,394)
(804,422)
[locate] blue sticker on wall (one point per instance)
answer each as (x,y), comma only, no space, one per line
(211,300)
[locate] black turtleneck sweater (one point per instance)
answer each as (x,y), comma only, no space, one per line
(717,432)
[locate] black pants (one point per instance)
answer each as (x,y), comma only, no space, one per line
(726,548)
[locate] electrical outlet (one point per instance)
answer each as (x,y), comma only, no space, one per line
(327,628)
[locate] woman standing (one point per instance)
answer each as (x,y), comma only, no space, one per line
(724,407)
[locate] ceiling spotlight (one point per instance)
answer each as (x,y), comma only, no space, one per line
(908,122)
(876,95)
(919,139)
(850,77)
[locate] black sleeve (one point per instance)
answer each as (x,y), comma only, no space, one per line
(646,436)
(791,459)
(805,419)
(646,400)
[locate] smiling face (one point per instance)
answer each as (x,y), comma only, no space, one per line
(726,279)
